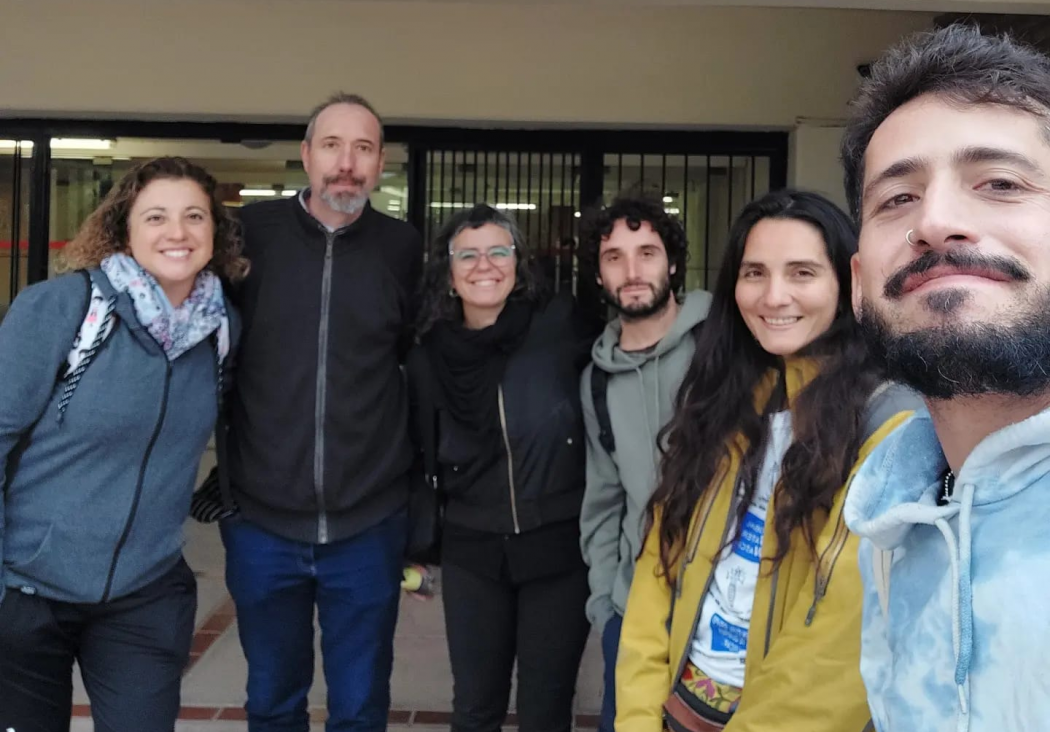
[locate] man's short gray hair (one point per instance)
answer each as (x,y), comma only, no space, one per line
(342,98)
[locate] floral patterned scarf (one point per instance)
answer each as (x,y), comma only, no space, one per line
(177,330)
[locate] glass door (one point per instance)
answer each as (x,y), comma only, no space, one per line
(247,172)
(15,176)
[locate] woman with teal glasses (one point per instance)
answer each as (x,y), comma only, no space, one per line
(495,389)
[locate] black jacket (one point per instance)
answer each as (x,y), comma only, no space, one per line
(319,449)
(544,428)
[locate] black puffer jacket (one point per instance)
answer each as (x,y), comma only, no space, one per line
(543,482)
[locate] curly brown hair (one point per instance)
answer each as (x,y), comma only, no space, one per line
(105,231)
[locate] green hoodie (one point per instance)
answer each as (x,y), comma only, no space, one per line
(641,392)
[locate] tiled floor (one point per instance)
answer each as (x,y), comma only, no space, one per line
(421,686)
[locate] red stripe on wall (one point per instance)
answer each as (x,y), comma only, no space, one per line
(24,245)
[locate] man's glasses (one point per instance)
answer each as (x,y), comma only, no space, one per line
(498,256)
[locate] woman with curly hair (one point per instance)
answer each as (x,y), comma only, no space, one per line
(110,384)
(744,612)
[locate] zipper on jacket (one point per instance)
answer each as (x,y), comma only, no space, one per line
(710,578)
(510,459)
(838,543)
(772,607)
(138,486)
(319,406)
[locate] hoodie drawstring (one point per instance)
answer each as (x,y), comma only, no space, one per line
(959,553)
(656,390)
(645,407)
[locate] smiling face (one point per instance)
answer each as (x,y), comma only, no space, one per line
(171,234)
(482,264)
(970,188)
(786,290)
(954,254)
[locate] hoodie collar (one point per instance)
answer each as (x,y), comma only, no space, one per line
(608,355)
(897,486)
(797,374)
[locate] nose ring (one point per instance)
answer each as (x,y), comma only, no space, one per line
(907,237)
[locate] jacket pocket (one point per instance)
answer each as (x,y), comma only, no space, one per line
(36,557)
(565,473)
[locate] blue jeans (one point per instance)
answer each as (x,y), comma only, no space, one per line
(610,646)
(354,584)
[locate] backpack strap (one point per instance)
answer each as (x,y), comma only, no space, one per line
(600,397)
(71,380)
(222,428)
(213,500)
(887,400)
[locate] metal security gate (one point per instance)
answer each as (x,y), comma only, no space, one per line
(541,190)
(547,190)
(706,192)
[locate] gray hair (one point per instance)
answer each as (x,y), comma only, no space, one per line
(437,302)
(355,100)
(482,214)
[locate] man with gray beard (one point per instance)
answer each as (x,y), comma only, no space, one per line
(947,162)
(319,453)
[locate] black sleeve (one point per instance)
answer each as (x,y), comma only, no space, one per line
(586,329)
(235,290)
(413,294)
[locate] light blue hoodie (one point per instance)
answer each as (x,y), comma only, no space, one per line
(963,644)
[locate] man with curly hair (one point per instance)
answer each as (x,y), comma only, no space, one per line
(638,251)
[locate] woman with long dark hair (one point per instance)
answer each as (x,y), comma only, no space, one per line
(496,376)
(745,608)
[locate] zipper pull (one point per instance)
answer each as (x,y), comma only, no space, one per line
(811,613)
(818,595)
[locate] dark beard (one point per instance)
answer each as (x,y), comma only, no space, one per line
(661,296)
(966,359)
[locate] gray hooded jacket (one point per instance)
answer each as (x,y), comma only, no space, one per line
(641,391)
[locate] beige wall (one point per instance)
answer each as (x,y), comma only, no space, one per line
(814,161)
(430,61)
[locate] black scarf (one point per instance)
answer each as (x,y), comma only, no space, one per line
(468,365)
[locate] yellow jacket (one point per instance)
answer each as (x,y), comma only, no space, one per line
(802,672)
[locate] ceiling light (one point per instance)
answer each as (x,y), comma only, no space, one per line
(501,206)
(668,199)
(63,143)
(673,211)
(73,143)
(258,192)
(287,192)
